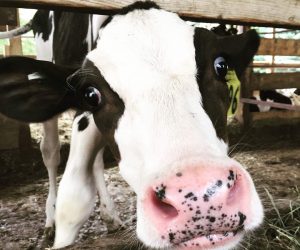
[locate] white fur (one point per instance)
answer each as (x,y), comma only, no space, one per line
(50,148)
(82,178)
(148,58)
(44,48)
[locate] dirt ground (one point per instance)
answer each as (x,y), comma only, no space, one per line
(273,163)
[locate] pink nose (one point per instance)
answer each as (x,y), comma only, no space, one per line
(210,203)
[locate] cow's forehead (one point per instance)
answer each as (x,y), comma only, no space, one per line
(145,48)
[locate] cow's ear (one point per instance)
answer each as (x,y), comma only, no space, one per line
(240,49)
(32,90)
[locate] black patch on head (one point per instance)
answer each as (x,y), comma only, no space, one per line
(83,123)
(107,115)
(42,24)
(139,5)
(238,51)
(297,92)
(214,91)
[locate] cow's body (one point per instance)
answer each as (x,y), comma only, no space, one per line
(65,38)
(156,88)
(285,96)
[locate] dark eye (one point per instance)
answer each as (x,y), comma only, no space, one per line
(92,96)
(221,67)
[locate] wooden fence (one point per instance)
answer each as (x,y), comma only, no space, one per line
(271,81)
(13,134)
(277,13)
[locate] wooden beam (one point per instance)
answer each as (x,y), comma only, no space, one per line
(279,13)
(275,115)
(279,47)
(275,65)
(8,16)
(275,81)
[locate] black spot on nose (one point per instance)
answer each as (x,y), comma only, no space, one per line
(242,218)
(212,219)
(178,174)
(160,192)
(171,236)
(83,123)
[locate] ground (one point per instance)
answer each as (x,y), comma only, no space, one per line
(274,164)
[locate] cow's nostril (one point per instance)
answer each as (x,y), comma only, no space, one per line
(162,207)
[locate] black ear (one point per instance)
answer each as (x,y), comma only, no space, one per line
(240,49)
(32,90)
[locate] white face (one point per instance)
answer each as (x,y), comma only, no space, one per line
(148,59)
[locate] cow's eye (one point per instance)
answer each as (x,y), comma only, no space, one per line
(92,96)
(221,67)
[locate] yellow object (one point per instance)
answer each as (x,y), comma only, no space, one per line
(234,87)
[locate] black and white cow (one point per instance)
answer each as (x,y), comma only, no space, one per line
(156,89)
(65,38)
(282,96)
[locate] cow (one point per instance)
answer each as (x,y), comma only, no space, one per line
(155,90)
(65,38)
(285,96)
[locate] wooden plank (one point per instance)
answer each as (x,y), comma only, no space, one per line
(8,16)
(279,13)
(271,104)
(287,115)
(275,65)
(279,47)
(275,81)
(15,44)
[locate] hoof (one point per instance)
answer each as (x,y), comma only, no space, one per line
(48,237)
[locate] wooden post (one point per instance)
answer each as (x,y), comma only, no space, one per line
(246,92)
(23,131)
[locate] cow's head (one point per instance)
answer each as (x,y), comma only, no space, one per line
(157,89)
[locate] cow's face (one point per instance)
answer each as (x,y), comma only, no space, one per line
(161,99)
(157,89)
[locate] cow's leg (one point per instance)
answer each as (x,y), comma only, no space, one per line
(77,190)
(108,211)
(50,148)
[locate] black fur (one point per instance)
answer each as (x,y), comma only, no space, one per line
(139,5)
(238,51)
(83,123)
(42,24)
(33,100)
(69,41)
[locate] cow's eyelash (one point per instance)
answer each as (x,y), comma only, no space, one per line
(79,78)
